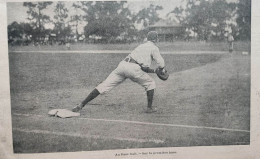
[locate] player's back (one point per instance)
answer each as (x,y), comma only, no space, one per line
(145,48)
(143,53)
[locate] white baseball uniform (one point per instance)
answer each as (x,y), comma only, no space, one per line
(143,55)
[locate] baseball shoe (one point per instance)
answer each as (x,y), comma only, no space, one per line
(77,108)
(151,110)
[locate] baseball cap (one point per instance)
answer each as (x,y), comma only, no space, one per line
(152,36)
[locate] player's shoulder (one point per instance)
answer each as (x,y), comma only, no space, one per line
(152,45)
(148,45)
(155,47)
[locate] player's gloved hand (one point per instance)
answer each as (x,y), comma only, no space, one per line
(162,73)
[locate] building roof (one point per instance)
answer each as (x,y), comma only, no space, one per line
(166,23)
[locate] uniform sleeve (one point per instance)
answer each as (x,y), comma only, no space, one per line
(158,58)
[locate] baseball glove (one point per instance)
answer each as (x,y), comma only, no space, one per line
(162,73)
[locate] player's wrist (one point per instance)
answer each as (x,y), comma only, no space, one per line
(150,70)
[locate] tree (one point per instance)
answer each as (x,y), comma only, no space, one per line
(108,19)
(14,30)
(19,33)
(206,18)
(178,11)
(222,12)
(148,16)
(61,14)
(76,19)
(36,16)
(27,29)
(244,19)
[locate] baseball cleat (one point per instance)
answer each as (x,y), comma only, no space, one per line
(151,110)
(77,108)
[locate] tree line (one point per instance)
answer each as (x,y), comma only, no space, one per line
(113,21)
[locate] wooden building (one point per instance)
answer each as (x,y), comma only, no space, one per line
(168,30)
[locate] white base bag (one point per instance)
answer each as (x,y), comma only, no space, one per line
(63,113)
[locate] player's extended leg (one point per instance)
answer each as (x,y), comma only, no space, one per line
(114,79)
(89,98)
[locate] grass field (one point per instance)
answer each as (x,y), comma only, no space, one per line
(205,102)
(164,46)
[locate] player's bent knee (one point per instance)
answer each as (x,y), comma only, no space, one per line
(151,85)
(102,89)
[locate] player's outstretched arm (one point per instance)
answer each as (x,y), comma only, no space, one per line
(147,69)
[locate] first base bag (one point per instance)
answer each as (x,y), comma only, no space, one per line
(63,113)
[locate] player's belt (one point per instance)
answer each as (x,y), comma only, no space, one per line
(130,60)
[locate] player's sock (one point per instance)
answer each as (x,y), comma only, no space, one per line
(150,94)
(92,95)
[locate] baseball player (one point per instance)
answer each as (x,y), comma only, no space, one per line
(135,67)
(230,40)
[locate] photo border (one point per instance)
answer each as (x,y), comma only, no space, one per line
(213,152)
